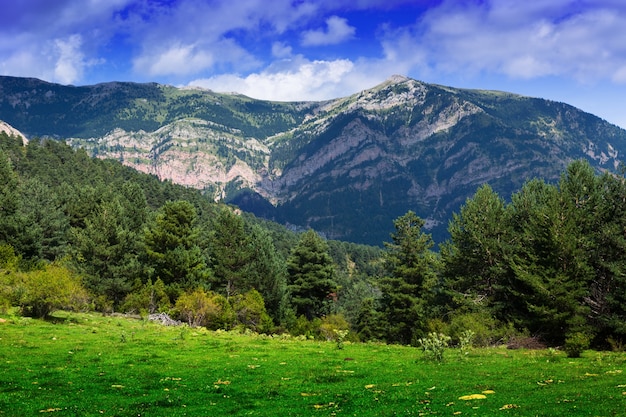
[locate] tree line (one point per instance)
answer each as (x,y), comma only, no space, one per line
(547,264)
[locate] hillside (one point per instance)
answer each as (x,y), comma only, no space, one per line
(346,167)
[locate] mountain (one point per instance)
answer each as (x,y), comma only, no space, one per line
(345,167)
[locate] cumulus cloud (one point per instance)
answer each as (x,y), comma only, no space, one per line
(519,39)
(337,31)
(290,80)
(70,60)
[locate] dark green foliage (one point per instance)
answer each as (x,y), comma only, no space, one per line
(172,246)
(408,289)
(109,246)
(311,276)
(231,253)
(549,262)
(10,201)
(44,223)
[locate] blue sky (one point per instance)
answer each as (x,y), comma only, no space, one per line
(566,50)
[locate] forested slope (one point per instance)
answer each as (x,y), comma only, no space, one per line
(545,265)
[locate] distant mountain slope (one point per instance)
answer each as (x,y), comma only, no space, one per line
(346,167)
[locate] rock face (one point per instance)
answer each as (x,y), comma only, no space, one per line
(346,167)
(11,131)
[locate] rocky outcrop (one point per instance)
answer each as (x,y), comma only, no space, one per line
(11,131)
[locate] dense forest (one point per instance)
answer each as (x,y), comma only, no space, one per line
(546,265)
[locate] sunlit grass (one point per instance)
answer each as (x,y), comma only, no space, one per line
(86,364)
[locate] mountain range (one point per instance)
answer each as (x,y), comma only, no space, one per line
(345,167)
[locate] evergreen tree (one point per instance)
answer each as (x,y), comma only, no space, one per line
(549,269)
(311,276)
(476,258)
(45,226)
(10,202)
(268,272)
(172,246)
(408,289)
(231,253)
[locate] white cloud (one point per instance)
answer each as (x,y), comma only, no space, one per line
(337,31)
(281,50)
(290,80)
(70,61)
(578,40)
(177,59)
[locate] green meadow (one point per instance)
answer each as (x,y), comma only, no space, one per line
(93,365)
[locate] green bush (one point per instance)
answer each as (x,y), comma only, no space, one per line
(250,312)
(208,309)
(434,345)
(40,292)
(576,343)
(331,324)
(307,328)
(486,329)
(149,298)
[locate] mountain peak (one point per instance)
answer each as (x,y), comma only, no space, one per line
(396,79)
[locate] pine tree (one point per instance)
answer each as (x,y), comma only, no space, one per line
(172,246)
(311,276)
(408,289)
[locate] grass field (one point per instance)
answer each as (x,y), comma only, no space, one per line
(90,365)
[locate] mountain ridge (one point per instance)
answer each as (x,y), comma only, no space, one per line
(346,167)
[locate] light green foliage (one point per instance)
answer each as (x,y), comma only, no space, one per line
(207,309)
(331,324)
(40,292)
(466,341)
(576,343)
(149,298)
(250,312)
(434,345)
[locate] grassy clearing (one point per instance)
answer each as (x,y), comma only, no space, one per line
(88,365)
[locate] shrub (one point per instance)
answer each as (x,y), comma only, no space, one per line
(576,343)
(38,293)
(200,308)
(149,298)
(487,330)
(331,324)
(434,345)
(249,309)
(304,327)
(466,341)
